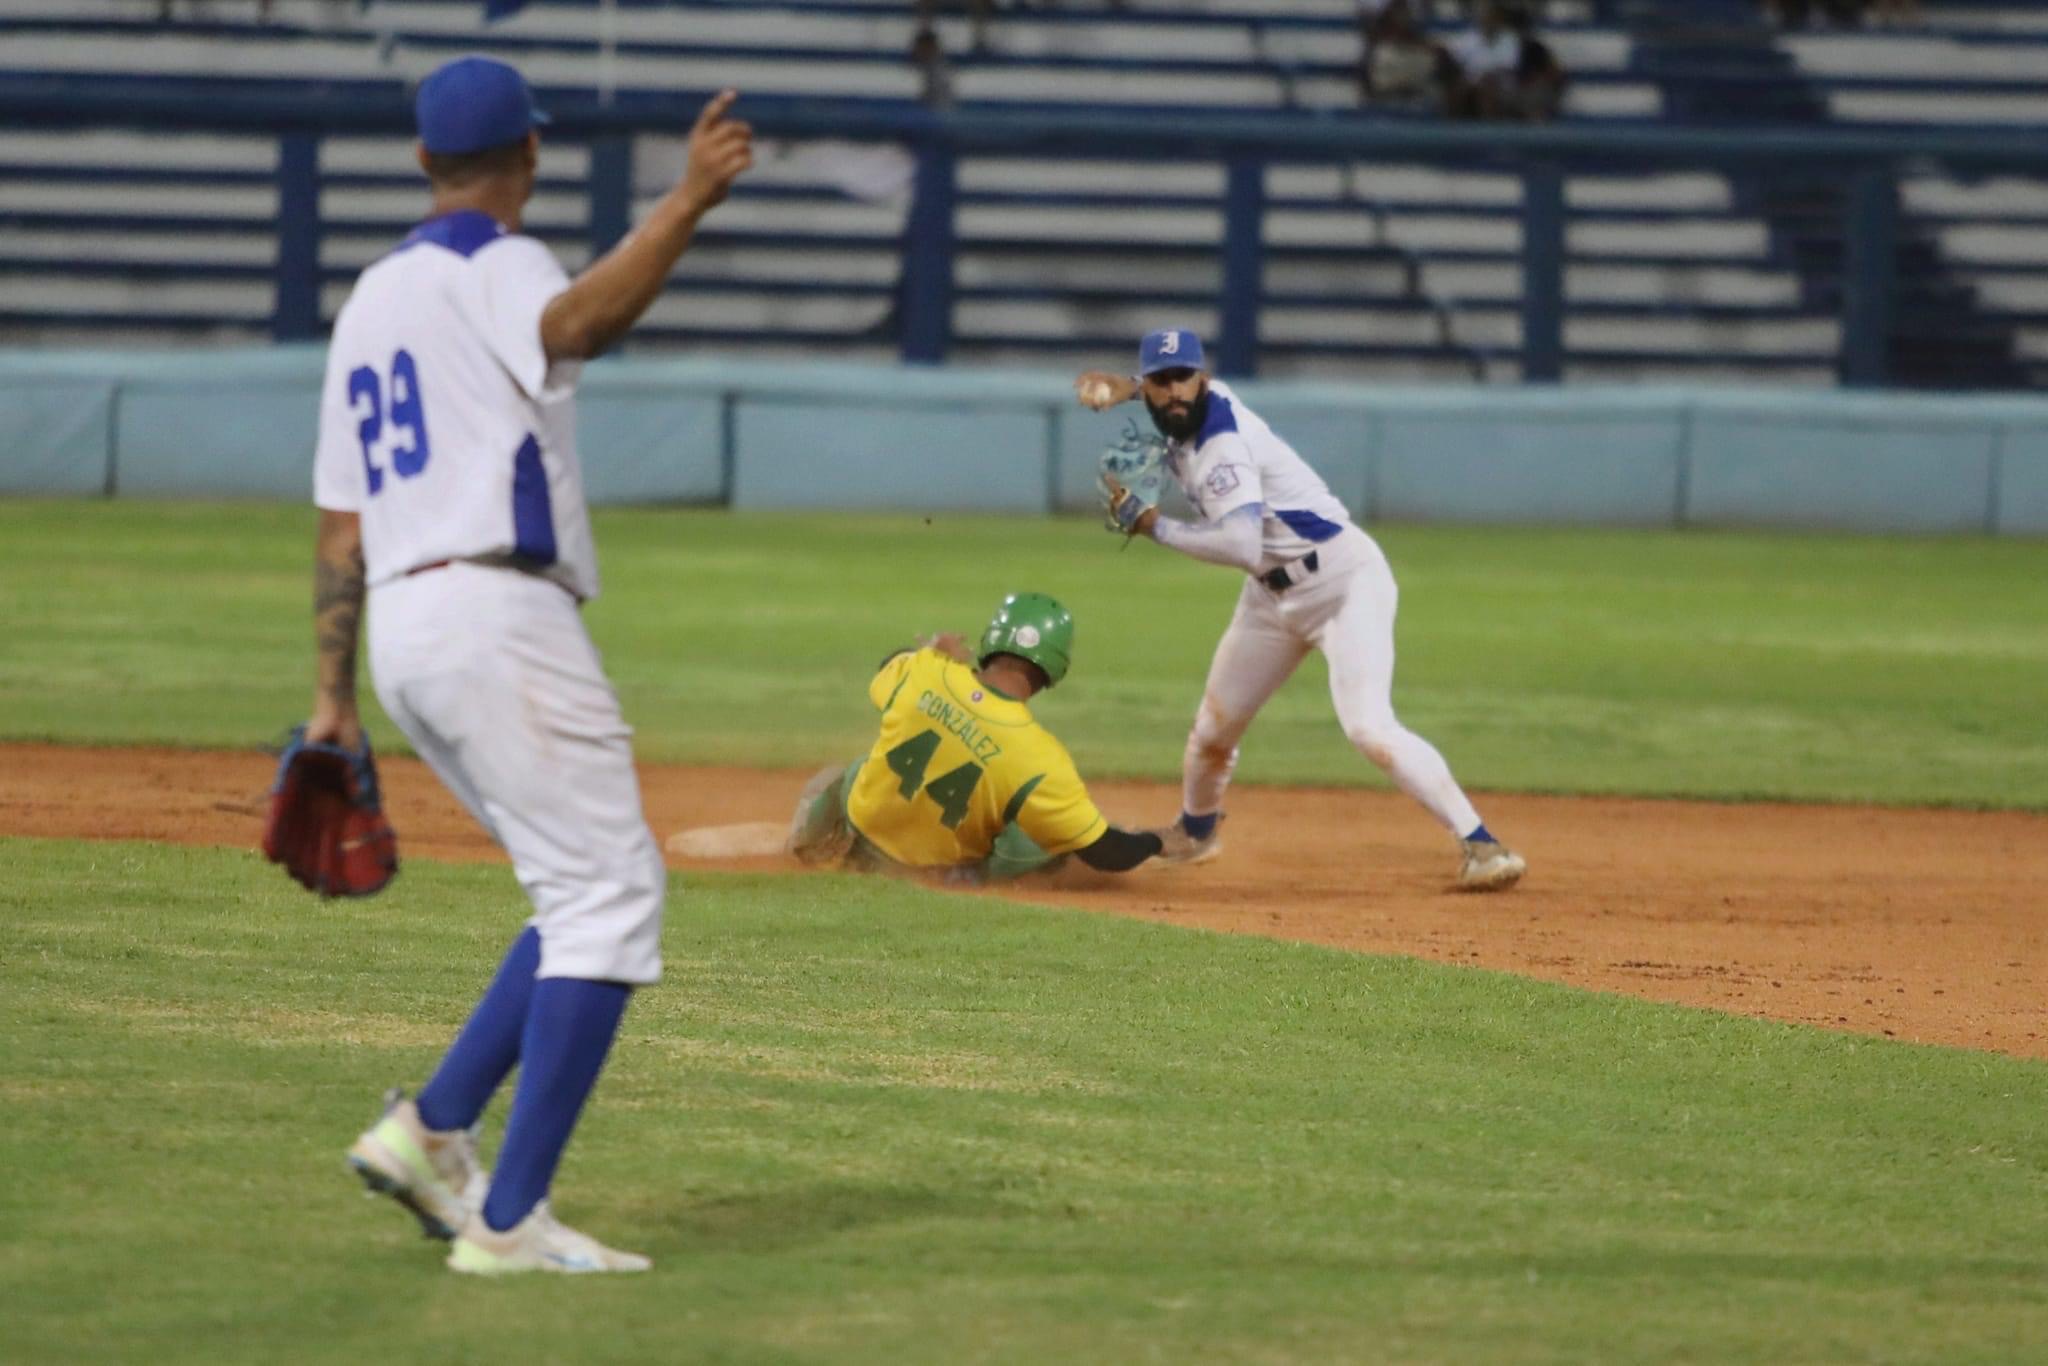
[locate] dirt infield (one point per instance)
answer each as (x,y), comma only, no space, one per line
(1922,925)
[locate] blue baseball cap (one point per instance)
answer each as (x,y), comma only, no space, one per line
(472,103)
(1171,348)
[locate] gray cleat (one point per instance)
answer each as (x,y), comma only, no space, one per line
(1489,866)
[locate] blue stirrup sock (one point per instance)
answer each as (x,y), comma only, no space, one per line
(1199,827)
(484,1053)
(1481,835)
(569,1029)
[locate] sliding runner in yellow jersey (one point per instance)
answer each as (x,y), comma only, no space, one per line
(962,782)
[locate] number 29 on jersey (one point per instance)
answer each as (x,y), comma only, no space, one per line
(395,404)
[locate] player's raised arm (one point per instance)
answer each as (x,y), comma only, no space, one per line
(613,291)
(951,644)
(1100,390)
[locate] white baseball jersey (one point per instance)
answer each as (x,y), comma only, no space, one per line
(1237,460)
(1343,607)
(442,422)
(1478,55)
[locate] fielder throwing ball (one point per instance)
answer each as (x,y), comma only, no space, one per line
(962,782)
(451,497)
(1316,582)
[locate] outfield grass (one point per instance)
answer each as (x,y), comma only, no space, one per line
(864,1122)
(1699,664)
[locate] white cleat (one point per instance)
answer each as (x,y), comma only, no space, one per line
(1489,866)
(1182,850)
(539,1242)
(434,1175)
(1178,851)
(1204,851)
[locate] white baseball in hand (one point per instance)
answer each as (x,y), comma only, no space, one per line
(1099,393)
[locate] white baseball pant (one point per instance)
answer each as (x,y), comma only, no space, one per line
(493,679)
(1346,610)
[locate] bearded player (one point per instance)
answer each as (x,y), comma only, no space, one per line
(1314,581)
(962,782)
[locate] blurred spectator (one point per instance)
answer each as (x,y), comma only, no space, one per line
(977,13)
(1788,13)
(1500,69)
(1797,14)
(1470,9)
(1540,77)
(1485,59)
(1398,64)
(930,60)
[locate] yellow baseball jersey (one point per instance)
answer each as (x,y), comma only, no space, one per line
(955,763)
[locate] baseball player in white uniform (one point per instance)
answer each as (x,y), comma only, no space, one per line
(1314,581)
(450,495)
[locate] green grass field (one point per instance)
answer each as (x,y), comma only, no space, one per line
(1720,665)
(863,1122)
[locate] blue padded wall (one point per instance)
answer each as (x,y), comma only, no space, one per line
(56,435)
(2022,502)
(760,435)
(842,453)
(1536,460)
(1876,471)
(216,437)
(648,445)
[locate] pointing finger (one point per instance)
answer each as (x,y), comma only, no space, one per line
(714,109)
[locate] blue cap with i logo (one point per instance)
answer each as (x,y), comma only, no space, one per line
(1172,348)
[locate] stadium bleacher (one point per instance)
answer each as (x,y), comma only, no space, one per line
(1370,269)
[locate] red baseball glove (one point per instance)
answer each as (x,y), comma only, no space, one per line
(327,823)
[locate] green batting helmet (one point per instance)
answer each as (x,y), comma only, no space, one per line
(1035,627)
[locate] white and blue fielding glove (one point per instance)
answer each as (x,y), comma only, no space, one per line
(1133,476)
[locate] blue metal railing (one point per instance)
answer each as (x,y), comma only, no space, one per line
(1871,161)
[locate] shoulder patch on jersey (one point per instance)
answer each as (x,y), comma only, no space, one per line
(464,232)
(1220,418)
(1220,481)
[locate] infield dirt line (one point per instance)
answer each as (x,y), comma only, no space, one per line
(1914,924)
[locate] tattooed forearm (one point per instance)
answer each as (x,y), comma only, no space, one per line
(337,614)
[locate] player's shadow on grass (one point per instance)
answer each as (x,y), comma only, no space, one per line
(761,1221)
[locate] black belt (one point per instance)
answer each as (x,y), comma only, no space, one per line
(1277,580)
